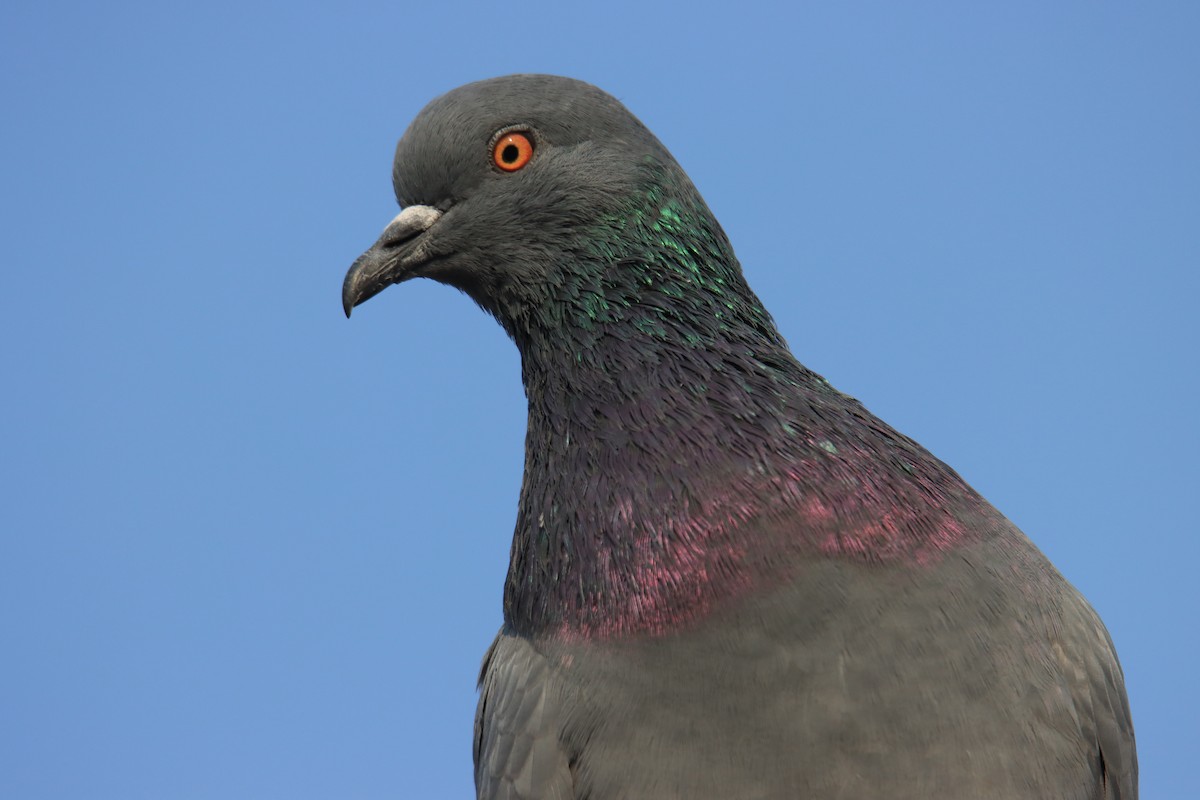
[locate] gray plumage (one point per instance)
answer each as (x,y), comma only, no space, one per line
(728,579)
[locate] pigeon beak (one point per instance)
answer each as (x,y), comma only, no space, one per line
(392,259)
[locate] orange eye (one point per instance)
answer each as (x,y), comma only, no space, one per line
(512,152)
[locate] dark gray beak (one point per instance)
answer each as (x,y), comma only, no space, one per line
(392,259)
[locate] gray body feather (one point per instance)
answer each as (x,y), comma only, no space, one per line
(856,681)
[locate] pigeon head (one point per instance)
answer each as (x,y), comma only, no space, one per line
(546,201)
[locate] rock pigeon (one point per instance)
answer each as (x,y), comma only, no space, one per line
(728,579)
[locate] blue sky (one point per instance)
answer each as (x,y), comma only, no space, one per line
(250,549)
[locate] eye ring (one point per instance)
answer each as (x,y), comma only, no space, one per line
(512,151)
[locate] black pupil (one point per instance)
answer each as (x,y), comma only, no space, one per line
(509,153)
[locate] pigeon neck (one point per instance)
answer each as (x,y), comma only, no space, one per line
(677,455)
(660,487)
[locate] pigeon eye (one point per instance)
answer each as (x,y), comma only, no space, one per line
(512,151)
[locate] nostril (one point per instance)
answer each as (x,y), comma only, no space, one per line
(408,224)
(392,238)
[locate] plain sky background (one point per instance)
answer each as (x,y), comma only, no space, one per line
(250,549)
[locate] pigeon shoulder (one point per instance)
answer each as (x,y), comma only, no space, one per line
(1093,678)
(518,750)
